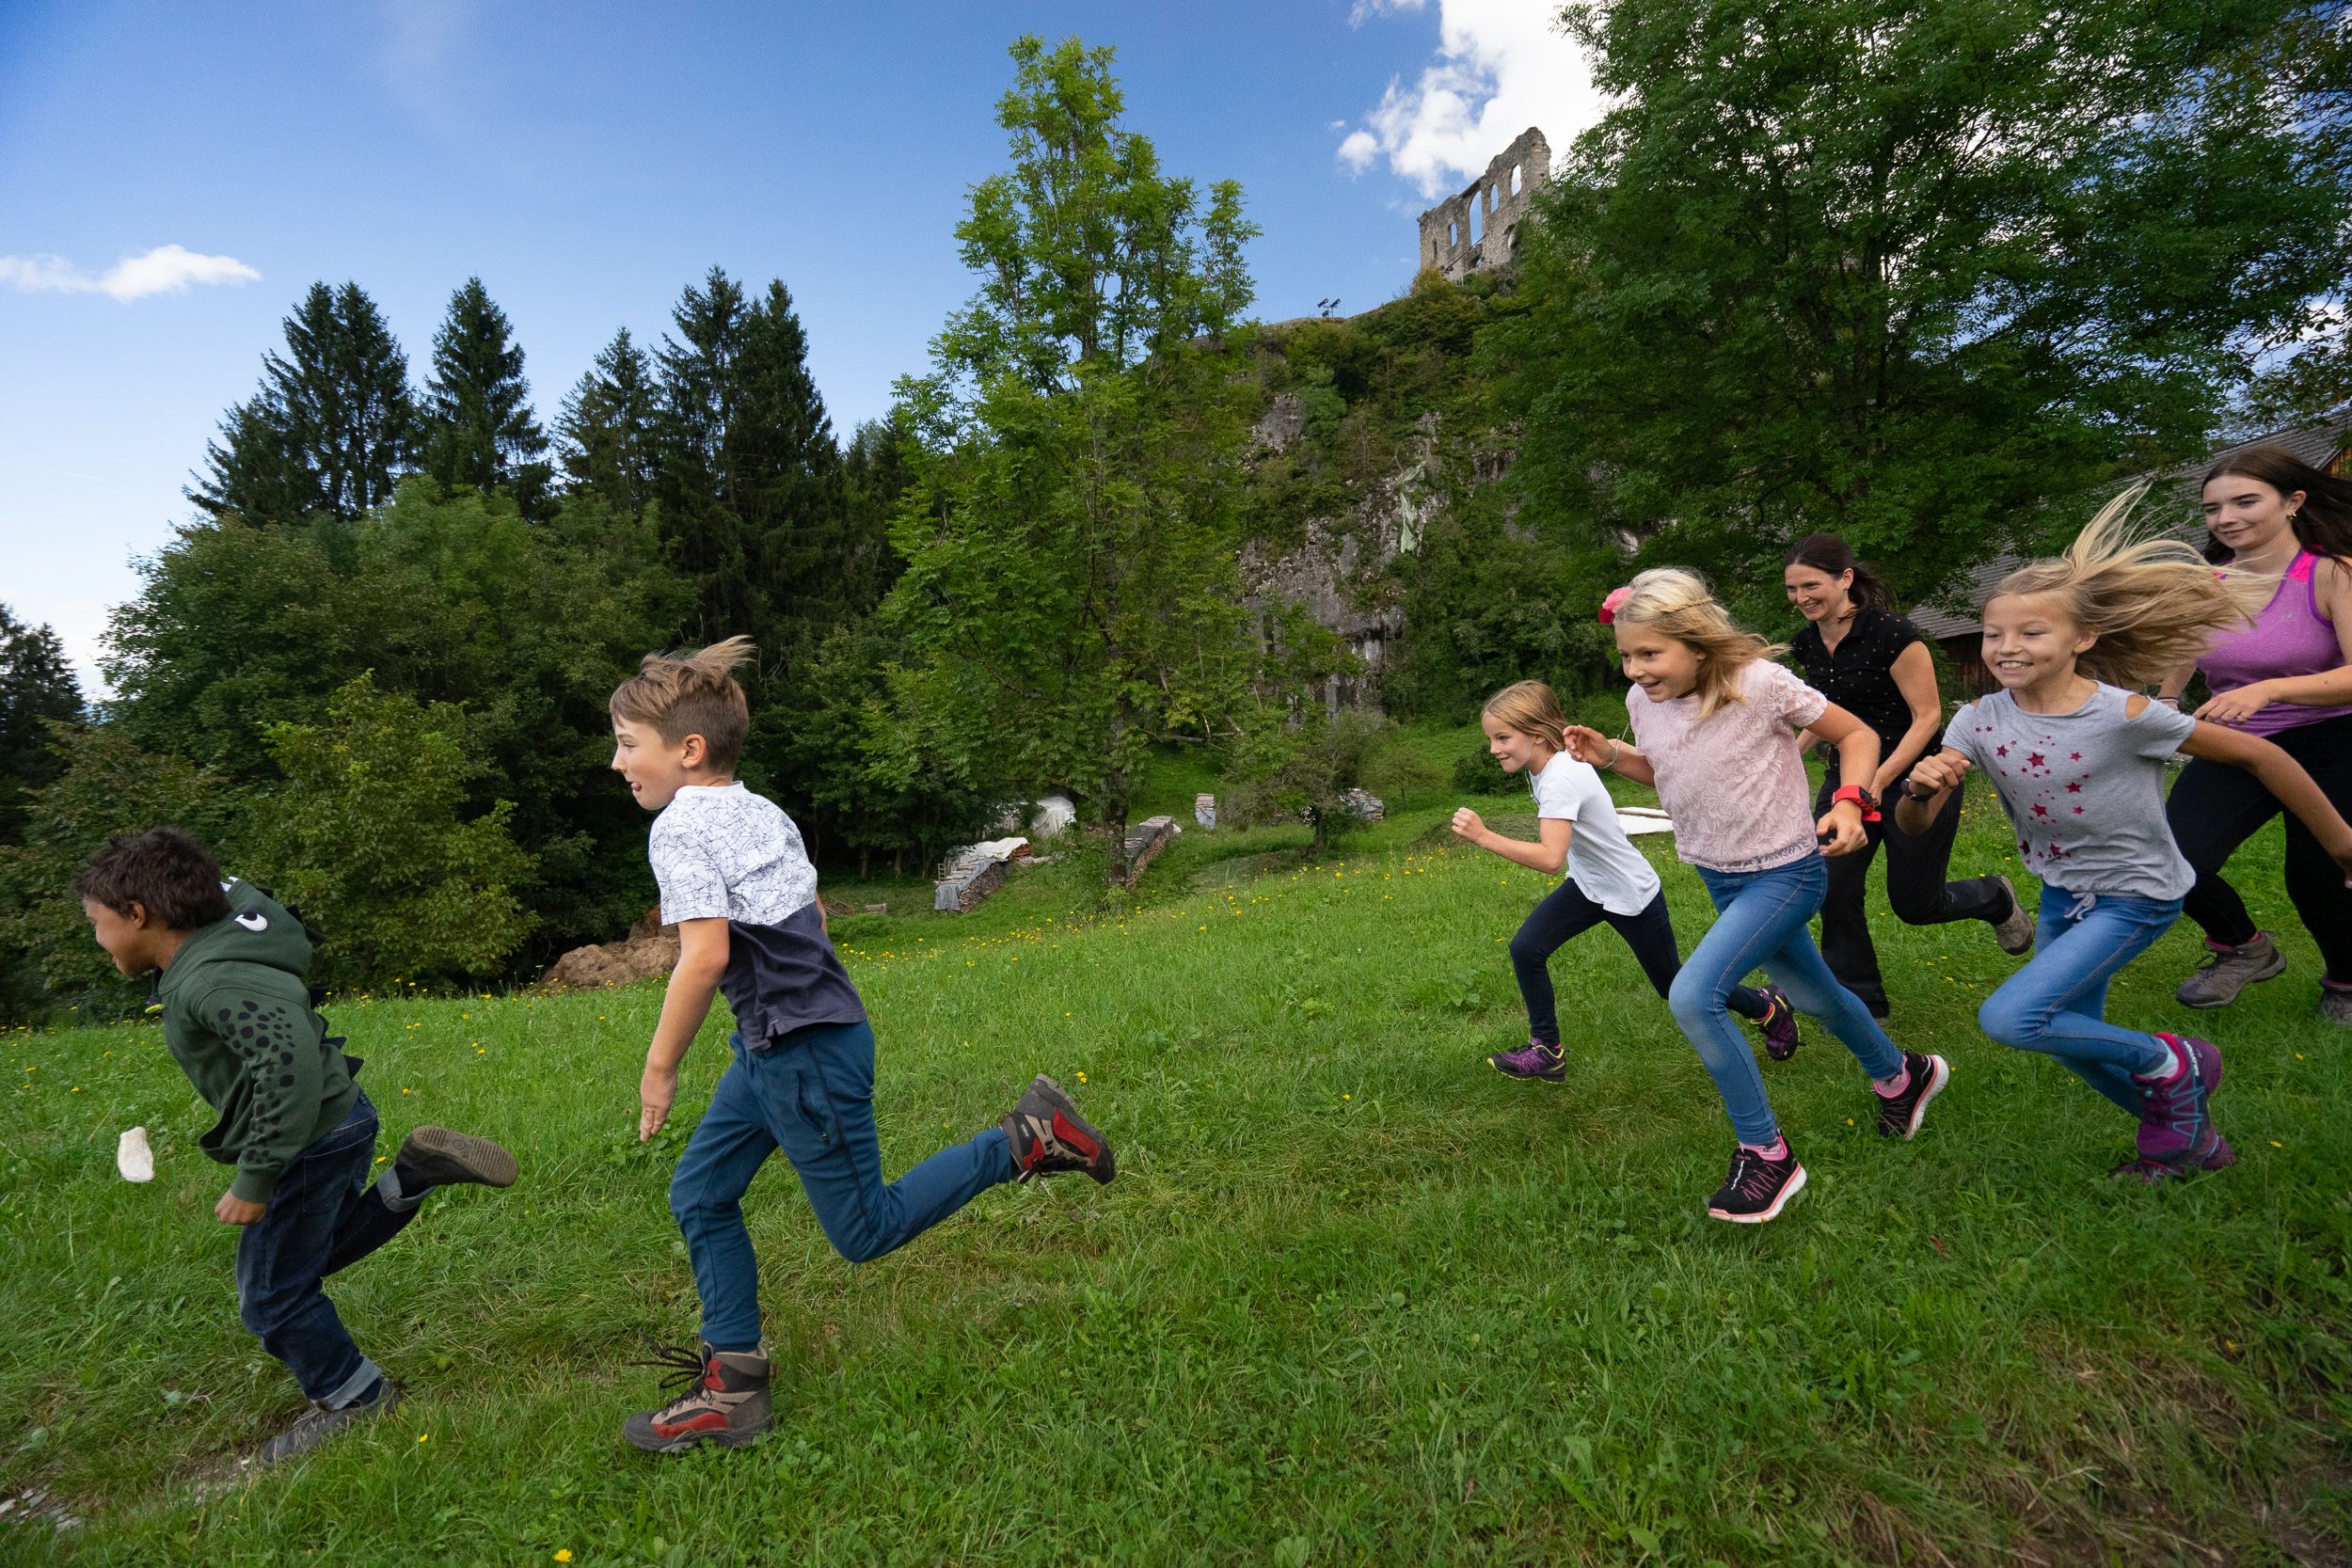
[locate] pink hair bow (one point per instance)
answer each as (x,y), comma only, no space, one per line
(1615,601)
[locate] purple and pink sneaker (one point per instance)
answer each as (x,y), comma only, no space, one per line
(2177,1136)
(1536,1060)
(1779,1024)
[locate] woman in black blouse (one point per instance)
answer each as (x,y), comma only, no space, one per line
(1870,661)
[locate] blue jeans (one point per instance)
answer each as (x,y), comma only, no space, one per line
(812,1095)
(2057,1003)
(325,1215)
(1763,918)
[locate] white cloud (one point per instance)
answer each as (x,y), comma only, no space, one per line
(1502,66)
(166,269)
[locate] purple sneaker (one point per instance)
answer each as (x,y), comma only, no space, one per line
(1779,1024)
(2176,1132)
(1536,1060)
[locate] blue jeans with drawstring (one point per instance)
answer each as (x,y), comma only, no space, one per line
(2057,1003)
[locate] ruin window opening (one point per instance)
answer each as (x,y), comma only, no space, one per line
(1477,219)
(1515,179)
(1453,233)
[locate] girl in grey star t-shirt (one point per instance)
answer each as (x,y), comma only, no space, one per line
(2079,762)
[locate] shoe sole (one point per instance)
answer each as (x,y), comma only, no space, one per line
(2015,947)
(2271,971)
(1559,1077)
(1108,1165)
(1939,1075)
(649,1443)
(447,1158)
(1796,1185)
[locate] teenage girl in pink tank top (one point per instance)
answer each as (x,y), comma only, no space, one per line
(2288,678)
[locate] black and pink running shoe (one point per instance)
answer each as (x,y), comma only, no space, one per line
(1758,1189)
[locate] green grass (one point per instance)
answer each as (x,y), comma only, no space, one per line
(1355,1298)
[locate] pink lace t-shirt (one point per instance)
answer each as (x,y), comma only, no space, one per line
(1733,782)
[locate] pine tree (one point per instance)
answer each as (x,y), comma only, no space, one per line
(37,690)
(332,427)
(608,435)
(784,473)
(698,393)
(476,427)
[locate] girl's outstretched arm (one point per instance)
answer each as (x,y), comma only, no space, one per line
(2283,777)
(1610,757)
(1547,855)
(1857,759)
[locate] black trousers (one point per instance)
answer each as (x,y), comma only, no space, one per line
(1916,887)
(1564,913)
(2214,808)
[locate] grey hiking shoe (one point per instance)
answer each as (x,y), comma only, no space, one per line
(318,1423)
(2335,1003)
(2229,970)
(1048,1135)
(722,1398)
(445,1158)
(2013,931)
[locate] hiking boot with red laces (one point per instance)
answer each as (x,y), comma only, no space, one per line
(1048,1137)
(720,1397)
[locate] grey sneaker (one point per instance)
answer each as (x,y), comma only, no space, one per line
(2335,1003)
(446,1159)
(2229,970)
(2013,931)
(318,1423)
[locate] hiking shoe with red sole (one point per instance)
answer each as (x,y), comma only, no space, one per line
(721,1400)
(1049,1136)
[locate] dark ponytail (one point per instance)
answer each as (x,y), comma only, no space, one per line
(2323,524)
(1827,552)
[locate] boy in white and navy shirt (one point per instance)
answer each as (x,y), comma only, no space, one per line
(739,885)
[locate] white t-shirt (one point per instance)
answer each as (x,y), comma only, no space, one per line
(719,849)
(1602,861)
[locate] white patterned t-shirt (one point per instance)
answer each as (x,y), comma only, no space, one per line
(721,852)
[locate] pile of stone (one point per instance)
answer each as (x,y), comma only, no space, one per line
(967,876)
(648,950)
(1145,840)
(1363,805)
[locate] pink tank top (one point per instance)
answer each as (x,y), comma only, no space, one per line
(2289,638)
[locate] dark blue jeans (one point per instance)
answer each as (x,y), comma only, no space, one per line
(2057,1003)
(1566,914)
(1764,918)
(811,1094)
(326,1215)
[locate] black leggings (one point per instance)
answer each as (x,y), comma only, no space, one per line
(2215,807)
(1916,887)
(1564,914)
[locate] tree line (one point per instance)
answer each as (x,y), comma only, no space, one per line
(1922,274)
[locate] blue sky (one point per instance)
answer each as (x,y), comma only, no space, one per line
(173,176)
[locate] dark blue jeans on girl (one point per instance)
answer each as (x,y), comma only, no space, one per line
(810,1094)
(1567,913)
(1762,920)
(326,1214)
(2057,1003)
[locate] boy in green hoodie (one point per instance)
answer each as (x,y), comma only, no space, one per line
(238,1019)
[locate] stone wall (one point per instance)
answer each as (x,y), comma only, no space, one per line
(1473,229)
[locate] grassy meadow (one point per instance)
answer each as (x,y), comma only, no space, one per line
(1353,1299)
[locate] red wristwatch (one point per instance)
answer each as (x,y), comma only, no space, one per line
(1860,796)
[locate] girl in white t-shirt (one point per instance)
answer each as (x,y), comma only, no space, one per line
(1715,727)
(1608,879)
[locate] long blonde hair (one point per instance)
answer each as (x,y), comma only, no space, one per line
(691,693)
(1530,708)
(1677,603)
(2153,603)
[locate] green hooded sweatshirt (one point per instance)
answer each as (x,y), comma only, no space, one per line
(238,1019)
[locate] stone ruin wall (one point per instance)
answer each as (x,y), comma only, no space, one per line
(1471,231)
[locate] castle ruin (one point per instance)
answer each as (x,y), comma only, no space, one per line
(1471,231)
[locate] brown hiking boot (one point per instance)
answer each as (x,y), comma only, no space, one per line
(2229,970)
(1048,1135)
(722,1398)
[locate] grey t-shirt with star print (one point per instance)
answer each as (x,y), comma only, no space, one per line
(2085,789)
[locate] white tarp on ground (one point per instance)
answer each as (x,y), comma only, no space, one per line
(1644,820)
(1042,818)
